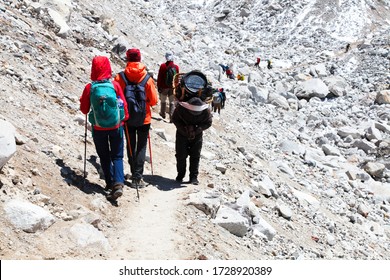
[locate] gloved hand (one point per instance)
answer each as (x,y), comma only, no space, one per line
(190,132)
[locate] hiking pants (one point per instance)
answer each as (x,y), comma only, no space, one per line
(109,147)
(217,107)
(138,142)
(165,94)
(185,148)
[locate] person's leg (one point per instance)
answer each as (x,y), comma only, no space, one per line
(219,108)
(140,153)
(194,152)
(181,148)
(116,155)
(100,138)
(116,149)
(132,141)
(171,104)
(163,101)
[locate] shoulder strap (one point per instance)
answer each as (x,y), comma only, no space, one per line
(124,78)
(145,80)
(142,83)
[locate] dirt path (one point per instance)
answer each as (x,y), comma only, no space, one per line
(149,228)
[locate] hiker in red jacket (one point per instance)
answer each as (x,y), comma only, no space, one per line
(165,84)
(108,141)
(229,74)
(257,64)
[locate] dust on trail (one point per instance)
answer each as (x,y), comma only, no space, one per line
(148,229)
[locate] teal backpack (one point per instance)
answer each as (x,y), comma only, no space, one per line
(106,108)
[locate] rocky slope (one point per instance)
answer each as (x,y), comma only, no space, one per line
(295,167)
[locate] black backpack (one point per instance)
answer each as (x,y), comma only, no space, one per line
(136,100)
(171,72)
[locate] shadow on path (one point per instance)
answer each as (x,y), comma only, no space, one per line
(72,177)
(162,183)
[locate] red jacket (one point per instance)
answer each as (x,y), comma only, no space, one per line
(162,73)
(101,70)
(135,72)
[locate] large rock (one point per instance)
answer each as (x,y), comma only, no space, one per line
(337,85)
(312,88)
(383,97)
(232,221)
(27,216)
(86,235)
(7,142)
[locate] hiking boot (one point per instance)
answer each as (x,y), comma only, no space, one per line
(194,181)
(116,192)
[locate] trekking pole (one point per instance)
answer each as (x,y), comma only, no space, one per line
(131,155)
(150,153)
(85,152)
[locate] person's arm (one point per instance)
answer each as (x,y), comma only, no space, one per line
(178,121)
(151,93)
(160,78)
(206,123)
(85,103)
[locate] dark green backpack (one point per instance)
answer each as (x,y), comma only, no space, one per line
(171,72)
(105,111)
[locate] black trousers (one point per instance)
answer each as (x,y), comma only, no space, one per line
(138,142)
(185,148)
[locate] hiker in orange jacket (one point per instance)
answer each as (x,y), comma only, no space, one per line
(108,141)
(135,71)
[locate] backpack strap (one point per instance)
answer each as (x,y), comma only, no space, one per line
(124,78)
(145,80)
(142,83)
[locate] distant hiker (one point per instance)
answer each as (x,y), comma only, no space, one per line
(229,74)
(108,107)
(191,117)
(348,47)
(257,64)
(332,69)
(240,77)
(224,68)
(269,64)
(166,73)
(217,101)
(223,97)
(138,128)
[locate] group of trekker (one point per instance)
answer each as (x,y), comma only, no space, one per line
(120,108)
(229,72)
(257,63)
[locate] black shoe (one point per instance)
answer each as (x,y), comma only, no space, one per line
(179,179)
(194,181)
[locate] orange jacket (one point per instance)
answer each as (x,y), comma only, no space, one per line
(135,72)
(101,70)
